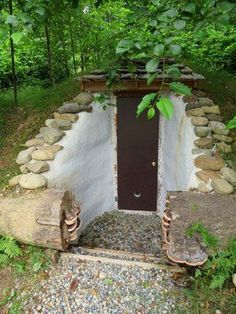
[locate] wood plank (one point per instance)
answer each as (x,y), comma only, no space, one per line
(120,253)
(107,260)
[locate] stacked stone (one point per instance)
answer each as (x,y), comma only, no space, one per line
(213,140)
(34,159)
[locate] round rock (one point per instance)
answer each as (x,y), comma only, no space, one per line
(205,162)
(51,135)
(198,112)
(213,109)
(24,156)
(218,128)
(204,143)
(205,101)
(222,187)
(229,175)
(199,121)
(32,181)
(202,131)
(214,117)
(38,166)
(222,138)
(34,142)
(84,99)
(224,148)
(66,116)
(207,175)
(15,180)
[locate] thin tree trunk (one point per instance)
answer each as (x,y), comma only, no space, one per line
(49,55)
(14,78)
(73,50)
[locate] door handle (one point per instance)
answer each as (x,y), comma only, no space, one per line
(154,164)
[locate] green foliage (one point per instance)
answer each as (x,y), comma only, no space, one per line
(180,88)
(208,239)
(232,123)
(9,249)
(166,107)
(221,264)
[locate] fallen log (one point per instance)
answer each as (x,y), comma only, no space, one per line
(40,218)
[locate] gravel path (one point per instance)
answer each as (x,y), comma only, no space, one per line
(126,232)
(92,287)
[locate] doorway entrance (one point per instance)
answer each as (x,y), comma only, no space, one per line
(137,155)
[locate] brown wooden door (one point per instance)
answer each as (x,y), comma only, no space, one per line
(137,148)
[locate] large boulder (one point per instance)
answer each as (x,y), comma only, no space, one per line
(198,151)
(229,175)
(32,181)
(205,162)
(24,156)
(84,99)
(204,143)
(218,128)
(221,186)
(51,135)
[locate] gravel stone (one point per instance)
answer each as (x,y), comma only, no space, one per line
(126,232)
(120,289)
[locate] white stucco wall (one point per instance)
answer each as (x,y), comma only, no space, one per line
(85,164)
(176,171)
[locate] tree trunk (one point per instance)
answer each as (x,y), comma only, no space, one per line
(49,55)
(47,218)
(73,50)
(14,79)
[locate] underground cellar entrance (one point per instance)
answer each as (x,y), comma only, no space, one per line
(121,231)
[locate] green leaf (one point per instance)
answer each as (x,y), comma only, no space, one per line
(158,50)
(226,6)
(169,40)
(198,273)
(153,23)
(166,107)
(151,113)
(223,19)
(232,123)
(209,3)
(152,65)
(180,88)
(124,45)
(189,7)
(151,78)
(40,11)
(11,19)
(172,12)
(138,45)
(175,49)
(145,103)
(173,72)
(180,24)
(16,37)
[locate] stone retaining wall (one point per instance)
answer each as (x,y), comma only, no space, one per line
(214,140)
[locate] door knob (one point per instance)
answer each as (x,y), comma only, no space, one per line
(154,164)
